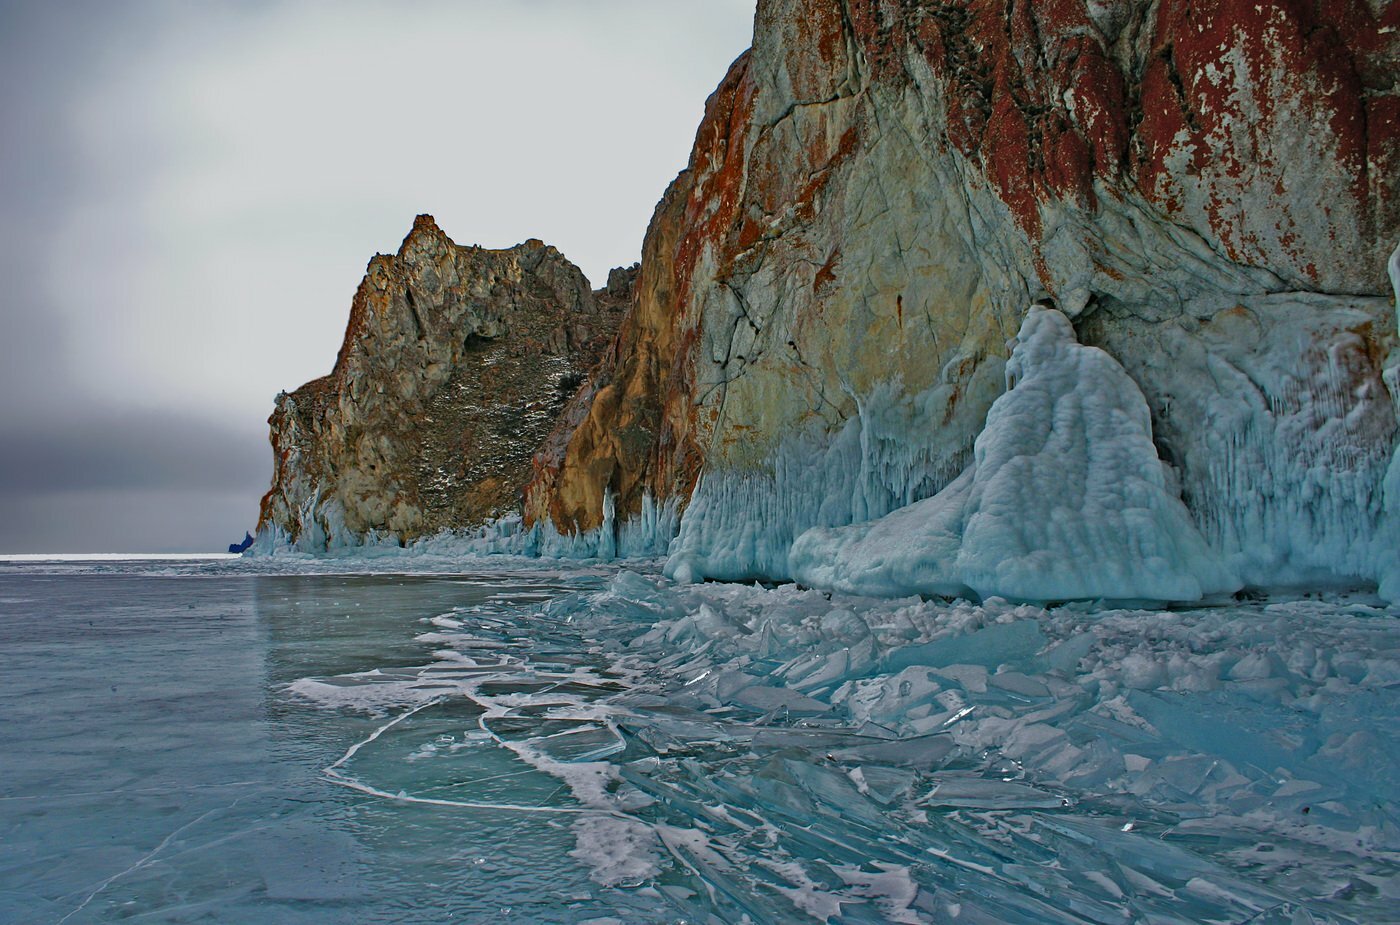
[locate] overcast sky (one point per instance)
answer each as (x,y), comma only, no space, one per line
(189,193)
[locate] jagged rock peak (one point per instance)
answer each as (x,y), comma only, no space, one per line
(455,365)
(621,280)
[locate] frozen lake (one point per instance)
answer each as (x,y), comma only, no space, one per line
(241,742)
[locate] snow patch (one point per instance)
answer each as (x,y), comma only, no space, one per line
(619,851)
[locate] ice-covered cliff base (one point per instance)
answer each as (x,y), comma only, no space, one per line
(1250,444)
(1279,429)
(646,536)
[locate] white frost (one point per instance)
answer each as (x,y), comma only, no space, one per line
(1389,549)
(1393,266)
(619,851)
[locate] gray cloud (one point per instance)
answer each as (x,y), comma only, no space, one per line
(192,191)
(132,449)
(133,480)
(126,520)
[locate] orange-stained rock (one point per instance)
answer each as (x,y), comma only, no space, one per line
(878,190)
(629,430)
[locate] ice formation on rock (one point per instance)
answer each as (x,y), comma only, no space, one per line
(740,525)
(1208,192)
(1066,498)
(1389,541)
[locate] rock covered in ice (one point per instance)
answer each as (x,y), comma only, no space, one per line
(1275,412)
(1390,540)
(819,324)
(1393,269)
(1066,498)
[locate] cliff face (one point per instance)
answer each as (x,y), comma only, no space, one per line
(829,293)
(824,325)
(456,364)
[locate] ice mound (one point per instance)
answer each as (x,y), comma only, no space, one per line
(1390,570)
(1066,499)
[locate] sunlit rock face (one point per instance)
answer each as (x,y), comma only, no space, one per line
(1207,191)
(456,364)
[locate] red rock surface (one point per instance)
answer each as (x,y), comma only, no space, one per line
(630,431)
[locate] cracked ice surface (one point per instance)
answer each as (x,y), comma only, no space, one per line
(737,753)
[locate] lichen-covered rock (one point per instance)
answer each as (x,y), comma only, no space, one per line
(878,189)
(456,364)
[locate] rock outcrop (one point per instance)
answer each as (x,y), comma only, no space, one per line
(829,294)
(457,363)
(880,188)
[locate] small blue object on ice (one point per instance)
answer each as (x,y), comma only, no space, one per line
(243,546)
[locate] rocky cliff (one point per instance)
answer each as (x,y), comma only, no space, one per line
(879,189)
(830,298)
(456,364)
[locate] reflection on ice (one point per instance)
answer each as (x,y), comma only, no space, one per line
(737,751)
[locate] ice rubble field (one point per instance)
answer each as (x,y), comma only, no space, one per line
(775,754)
